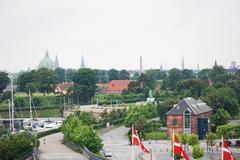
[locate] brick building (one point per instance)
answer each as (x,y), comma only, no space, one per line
(118,86)
(189,116)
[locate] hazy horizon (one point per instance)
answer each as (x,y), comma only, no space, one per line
(114,34)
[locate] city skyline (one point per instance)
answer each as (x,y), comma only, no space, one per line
(115,34)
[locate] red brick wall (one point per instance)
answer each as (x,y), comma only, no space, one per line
(179,127)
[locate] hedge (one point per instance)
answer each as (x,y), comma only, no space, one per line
(229,131)
(48,132)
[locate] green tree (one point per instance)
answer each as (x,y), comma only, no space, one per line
(81,134)
(101,76)
(24,78)
(211,140)
(197,152)
(221,117)
(45,78)
(60,73)
(187,74)
(4,81)
(216,73)
(222,98)
(135,76)
(113,74)
(124,75)
(86,118)
(173,78)
(85,84)
(32,87)
(193,140)
(69,73)
(204,74)
(193,87)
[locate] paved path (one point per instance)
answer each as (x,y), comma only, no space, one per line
(53,149)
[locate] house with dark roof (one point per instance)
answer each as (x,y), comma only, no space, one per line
(189,116)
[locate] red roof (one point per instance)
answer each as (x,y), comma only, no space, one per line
(118,86)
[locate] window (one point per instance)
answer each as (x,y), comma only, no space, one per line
(187,121)
(174,122)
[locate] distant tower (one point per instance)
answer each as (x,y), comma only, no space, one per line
(83,64)
(215,63)
(141,66)
(198,68)
(182,63)
(161,68)
(56,62)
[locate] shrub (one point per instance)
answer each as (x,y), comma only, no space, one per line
(229,131)
(184,138)
(193,140)
(197,152)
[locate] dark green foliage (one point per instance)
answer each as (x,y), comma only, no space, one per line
(69,74)
(224,98)
(124,75)
(190,87)
(204,74)
(86,118)
(135,76)
(32,87)
(229,131)
(101,76)
(4,81)
(113,74)
(85,84)
(60,73)
(14,145)
(221,117)
(187,74)
(175,75)
(135,87)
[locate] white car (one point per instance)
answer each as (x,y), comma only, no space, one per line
(107,153)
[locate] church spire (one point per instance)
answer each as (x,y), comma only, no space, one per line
(183,63)
(56,62)
(82,64)
(46,54)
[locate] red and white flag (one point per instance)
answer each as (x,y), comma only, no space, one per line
(226,153)
(178,149)
(136,141)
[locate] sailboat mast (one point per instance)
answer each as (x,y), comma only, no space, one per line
(9,112)
(13,128)
(30,105)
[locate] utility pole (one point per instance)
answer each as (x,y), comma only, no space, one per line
(13,128)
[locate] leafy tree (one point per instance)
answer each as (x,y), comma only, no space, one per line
(85,84)
(113,74)
(32,87)
(135,76)
(45,78)
(187,74)
(60,73)
(193,140)
(124,75)
(222,98)
(216,73)
(69,73)
(147,80)
(81,134)
(211,140)
(101,76)
(197,152)
(24,78)
(235,86)
(204,74)
(174,77)
(4,81)
(135,87)
(86,118)
(221,117)
(194,87)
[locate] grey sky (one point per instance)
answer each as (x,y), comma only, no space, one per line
(114,33)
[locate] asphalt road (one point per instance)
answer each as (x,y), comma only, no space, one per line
(53,149)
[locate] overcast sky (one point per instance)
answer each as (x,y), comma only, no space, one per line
(115,33)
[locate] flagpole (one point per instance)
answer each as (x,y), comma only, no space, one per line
(222,147)
(132,142)
(173,141)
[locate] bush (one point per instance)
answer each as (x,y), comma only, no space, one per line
(156,135)
(197,152)
(184,138)
(229,131)
(193,140)
(211,137)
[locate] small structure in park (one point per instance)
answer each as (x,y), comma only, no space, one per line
(189,116)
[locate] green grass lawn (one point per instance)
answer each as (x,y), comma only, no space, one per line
(37,94)
(156,135)
(55,112)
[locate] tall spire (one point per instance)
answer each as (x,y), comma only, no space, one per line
(82,64)
(161,67)
(182,63)
(141,66)
(56,62)
(215,63)
(46,54)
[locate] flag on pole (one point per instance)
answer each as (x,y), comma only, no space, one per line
(178,149)
(136,141)
(226,153)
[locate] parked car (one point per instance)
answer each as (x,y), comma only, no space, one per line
(107,153)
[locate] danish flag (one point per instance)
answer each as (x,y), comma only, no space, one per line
(136,141)
(226,154)
(178,149)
